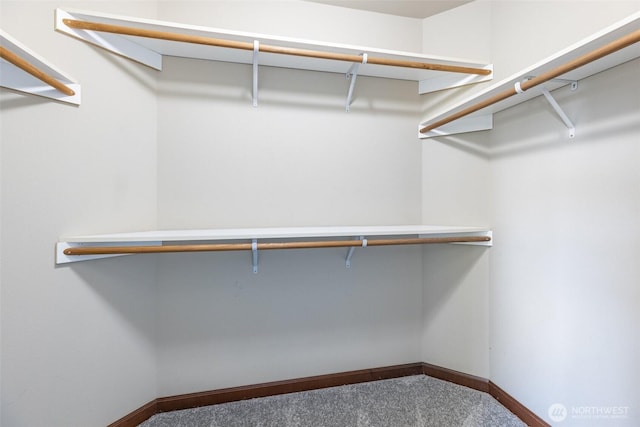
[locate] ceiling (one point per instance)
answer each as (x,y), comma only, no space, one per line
(411,8)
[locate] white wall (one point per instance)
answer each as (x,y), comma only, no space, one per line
(561,292)
(80,342)
(462,32)
(299,19)
(564,290)
(297,159)
(455,190)
(184,148)
(564,284)
(77,341)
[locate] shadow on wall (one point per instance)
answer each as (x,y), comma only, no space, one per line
(304,313)
(446,269)
(534,126)
(127,285)
(300,293)
(14,100)
(300,297)
(142,74)
(281,87)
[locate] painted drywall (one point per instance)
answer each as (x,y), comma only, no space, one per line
(562,287)
(302,314)
(455,190)
(463,32)
(82,340)
(77,341)
(511,35)
(563,283)
(300,19)
(564,294)
(297,159)
(523,33)
(73,336)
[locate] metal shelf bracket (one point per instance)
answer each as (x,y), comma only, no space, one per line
(256,49)
(554,104)
(353,75)
(254,253)
(352,249)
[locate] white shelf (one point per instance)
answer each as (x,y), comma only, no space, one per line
(482,119)
(13,77)
(187,237)
(150,51)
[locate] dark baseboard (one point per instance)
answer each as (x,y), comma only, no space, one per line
(460,378)
(521,411)
(205,398)
(287,386)
(482,384)
(138,416)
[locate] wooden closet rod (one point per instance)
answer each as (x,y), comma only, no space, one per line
(114,250)
(186,38)
(594,55)
(34,71)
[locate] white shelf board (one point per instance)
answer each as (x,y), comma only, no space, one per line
(595,41)
(12,77)
(160,237)
(272,233)
(150,51)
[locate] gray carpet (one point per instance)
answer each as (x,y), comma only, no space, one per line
(413,401)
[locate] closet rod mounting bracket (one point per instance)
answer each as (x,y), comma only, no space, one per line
(353,75)
(352,249)
(563,116)
(254,253)
(573,83)
(256,50)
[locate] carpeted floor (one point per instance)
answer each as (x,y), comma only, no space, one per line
(413,401)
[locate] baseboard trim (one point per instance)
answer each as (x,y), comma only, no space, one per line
(482,384)
(520,411)
(138,416)
(214,397)
(456,377)
(233,394)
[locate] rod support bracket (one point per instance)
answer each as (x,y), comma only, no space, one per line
(352,249)
(353,75)
(254,253)
(256,49)
(565,119)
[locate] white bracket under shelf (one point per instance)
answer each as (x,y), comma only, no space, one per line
(554,104)
(353,75)
(352,249)
(111,42)
(607,48)
(256,50)
(25,71)
(254,255)
(479,122)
